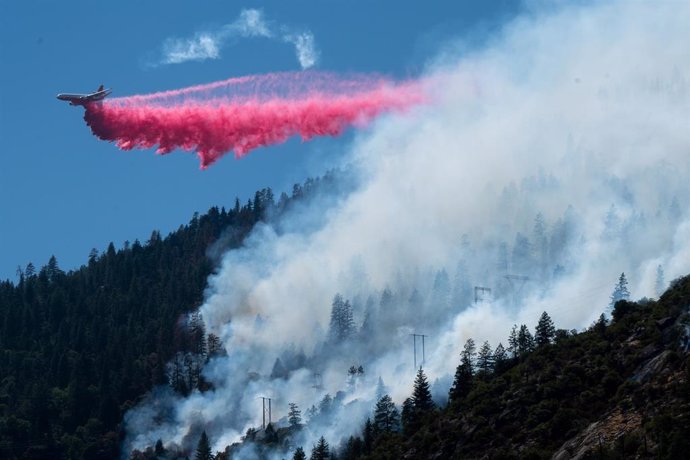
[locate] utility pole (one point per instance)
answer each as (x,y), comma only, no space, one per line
(414,344)
(263,411)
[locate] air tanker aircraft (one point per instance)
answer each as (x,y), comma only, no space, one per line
(83,99)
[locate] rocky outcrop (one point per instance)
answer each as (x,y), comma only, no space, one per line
(599,435)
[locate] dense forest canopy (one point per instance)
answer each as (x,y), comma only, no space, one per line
(79,348)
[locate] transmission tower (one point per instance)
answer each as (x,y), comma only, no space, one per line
(263,411)
(479,293)
(414,344)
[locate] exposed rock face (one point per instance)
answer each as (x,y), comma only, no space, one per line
(651,368)
(599,434)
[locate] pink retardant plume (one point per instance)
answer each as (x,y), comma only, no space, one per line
(242,114)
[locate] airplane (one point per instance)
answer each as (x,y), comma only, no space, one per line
(83,99)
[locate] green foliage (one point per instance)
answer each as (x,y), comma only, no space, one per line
(83,346)
(386,416)
(620,291)
(294,415)
(545,331)
(299,454)
(342,325)
(321,450)
(637,366)
(203,448)
(421,395)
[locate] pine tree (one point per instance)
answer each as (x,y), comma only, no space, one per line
(525,341)
(215,348)
(468,353)
(326,405)
(421,395)
(386,416)
(159,449)
(485,359)
(321,450)
(500,357)
(294,415)
(197,333)
(203,448)
(299,454)
(407,417)
(342,324)
(513,341)
(620,292)
(464,374)
(545,330)
(368,435)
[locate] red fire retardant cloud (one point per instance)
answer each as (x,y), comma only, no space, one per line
(242,114)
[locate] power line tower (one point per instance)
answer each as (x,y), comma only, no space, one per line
(263,411)
(414,342)
(481,294)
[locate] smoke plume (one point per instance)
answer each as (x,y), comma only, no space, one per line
(250,23)
(245,113)
(545,164)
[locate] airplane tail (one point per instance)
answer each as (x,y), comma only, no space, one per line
(100,88)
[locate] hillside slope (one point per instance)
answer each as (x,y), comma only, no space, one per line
(79,348)
(615,391)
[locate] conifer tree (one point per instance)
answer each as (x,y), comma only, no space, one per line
(485,359)
(321,450)
(203,448)
(500,357)
(545,330)
(421,394)
(159,449)
(468,353)
(368,435)
(386,416)
(525,341)
(342,324)
(620,292)
(407,417)
(294,415)
(513,341)
(464,374)
(299,454)
(214,346)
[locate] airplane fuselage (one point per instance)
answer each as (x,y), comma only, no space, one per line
(83,99)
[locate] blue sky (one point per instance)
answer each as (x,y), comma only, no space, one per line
(63,192)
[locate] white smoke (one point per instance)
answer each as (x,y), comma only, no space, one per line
(582,115)
(250,23)
(305,48)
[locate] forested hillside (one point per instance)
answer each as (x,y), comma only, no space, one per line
(79,348)
(619,390)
